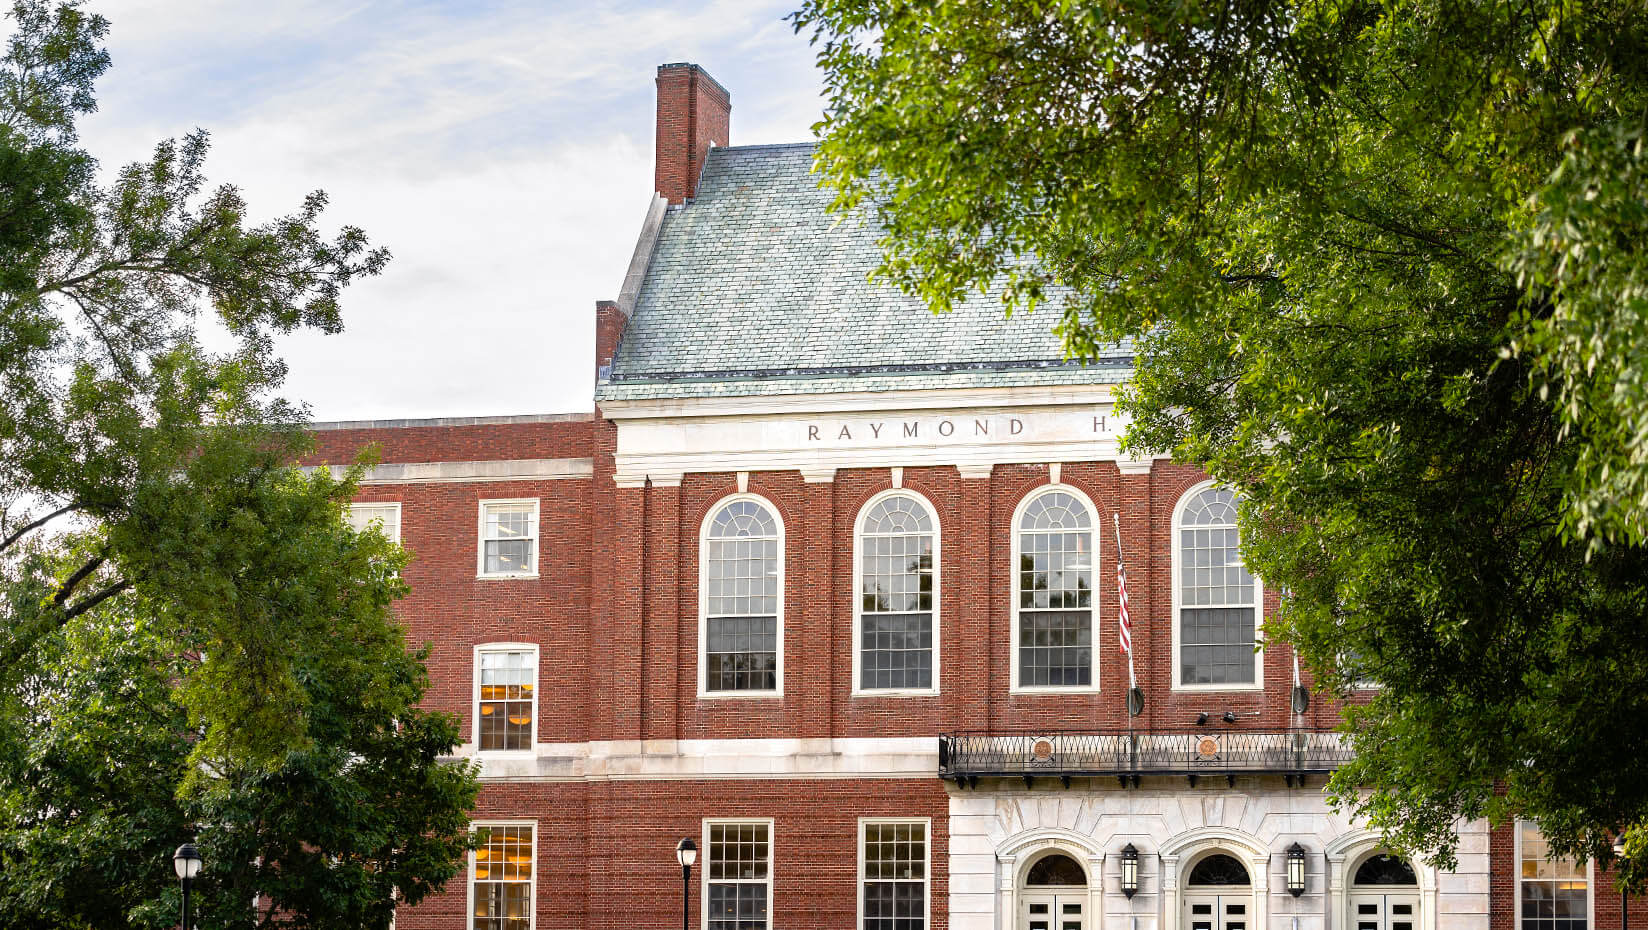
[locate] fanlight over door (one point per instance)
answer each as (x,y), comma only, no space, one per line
(1384,894)
(1220,895)
(1055,895)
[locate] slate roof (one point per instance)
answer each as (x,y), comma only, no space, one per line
(755,289)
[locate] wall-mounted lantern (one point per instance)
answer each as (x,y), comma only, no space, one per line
(1296,870)
(1130,871)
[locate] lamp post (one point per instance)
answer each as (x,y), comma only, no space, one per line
(186,862)
(1130,871)
(1296,870)
(1619,859)
(686,853)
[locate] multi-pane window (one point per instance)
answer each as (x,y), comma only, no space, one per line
(501,878)
(738,876)
(506,698)
(742,558)
(509,537)
(1218,606)
(1555,893)
(896,597)
(385,517)
(894,857)
(1055,593)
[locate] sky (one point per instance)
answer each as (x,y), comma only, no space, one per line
(502,151)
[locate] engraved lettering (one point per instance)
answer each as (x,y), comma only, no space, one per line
(981,427)
(1100,424)
(812,433)
(875,430)
(845,433)
(1015,426)
(910,429)
(945,427)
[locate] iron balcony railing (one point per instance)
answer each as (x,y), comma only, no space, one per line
(1198,751)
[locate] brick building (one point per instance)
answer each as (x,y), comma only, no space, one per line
(828,584)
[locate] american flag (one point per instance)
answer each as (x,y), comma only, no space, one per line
(1122,618)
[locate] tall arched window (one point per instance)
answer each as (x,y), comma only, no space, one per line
(1054,592)
(1216,599)
(742,566)
(897,595)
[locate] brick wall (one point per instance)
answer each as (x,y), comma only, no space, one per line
(606,851)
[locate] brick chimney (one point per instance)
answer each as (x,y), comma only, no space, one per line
(693,114)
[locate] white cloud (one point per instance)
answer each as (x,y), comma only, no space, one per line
(503,152)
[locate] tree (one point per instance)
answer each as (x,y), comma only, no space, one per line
(95,743)
(1384,266)
(121,438)
(191,638)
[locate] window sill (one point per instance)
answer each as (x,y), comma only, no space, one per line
(738,695)
(894,692)
(1243,689)
(1056,689)
(505,576)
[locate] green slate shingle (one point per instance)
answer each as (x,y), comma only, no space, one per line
(755,288)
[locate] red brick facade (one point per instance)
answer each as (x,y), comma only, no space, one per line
(625,744)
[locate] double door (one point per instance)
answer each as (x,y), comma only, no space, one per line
(1052,910)
(1218,911)
(1384,911)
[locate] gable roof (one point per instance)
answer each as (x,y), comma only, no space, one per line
(754,288)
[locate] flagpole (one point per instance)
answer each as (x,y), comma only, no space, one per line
(1116,522)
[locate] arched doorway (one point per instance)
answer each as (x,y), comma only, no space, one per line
(1055,895)
(1218,894)
(1384,894)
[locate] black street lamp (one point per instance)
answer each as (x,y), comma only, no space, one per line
(1619,862)
(686,853)
(1130,871)
(186,862)
(1296,870)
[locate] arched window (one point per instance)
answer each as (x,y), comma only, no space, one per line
(897,595)
(1054,592)
(1056,869)
(1219,869)
(1216,599)
(1385,869)
(742,566)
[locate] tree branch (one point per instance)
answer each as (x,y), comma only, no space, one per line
(13,538)
(90,601)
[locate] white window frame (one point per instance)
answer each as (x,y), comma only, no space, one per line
(532,892)
(382,505)
(480,537)
(704,599)
(1094,527)
(475,699)
(704,877)
(926,871)
(1177,558)
(1516,874)
(858,690)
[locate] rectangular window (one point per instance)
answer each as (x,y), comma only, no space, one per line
(509,538)
(1555,893)
(387,517)
(1055,610)
(501,877)
(506,700)
(738,876)
(893,874)
(1218,615)
(896,602)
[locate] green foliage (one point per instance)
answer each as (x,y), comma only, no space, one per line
(192,642)
(1383,264)
(97,738)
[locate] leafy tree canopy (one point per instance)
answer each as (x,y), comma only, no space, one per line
(122,440)
(192,640)
(1385,265)
(97,738)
